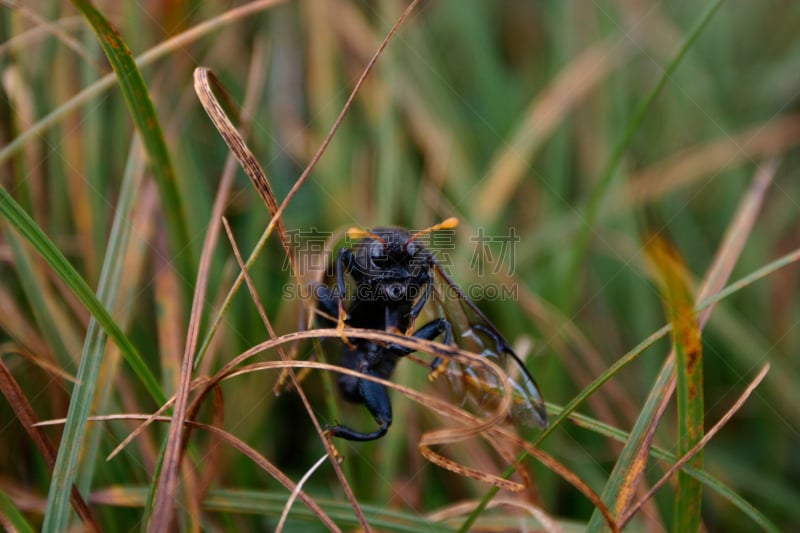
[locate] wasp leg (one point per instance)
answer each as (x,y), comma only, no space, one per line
(417,309)
(439,325)
(428,332)
(344,266)
(327,304)
(375,397)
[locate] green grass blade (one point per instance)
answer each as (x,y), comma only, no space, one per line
(711,482)
(73,440)
(94,349)
(673,280)
(12,517)
(108,292)
(144,116)
(34,294)
(599,193)
(25,225)
(629,460)
(690,431)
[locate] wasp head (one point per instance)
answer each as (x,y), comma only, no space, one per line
(392,263)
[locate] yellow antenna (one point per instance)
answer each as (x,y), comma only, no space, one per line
(448,223)
(359,233)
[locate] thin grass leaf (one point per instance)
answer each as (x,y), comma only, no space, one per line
(108,292)
(271,503)
(689,456)
(144,117)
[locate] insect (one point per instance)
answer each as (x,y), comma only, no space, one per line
(393,277)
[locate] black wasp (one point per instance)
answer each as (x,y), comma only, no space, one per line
(393,278)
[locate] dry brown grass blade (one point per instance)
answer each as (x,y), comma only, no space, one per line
(567,475)
(295,382)
(462,509)
(206,85)
(27,417)
(167,482)
(236,443)
(165,497)
(472,425)
(633,509)
(436,437)
(736,235)
(638,462)
(575,82)
(470,422)
(54,28)
(764,140)
(7,348)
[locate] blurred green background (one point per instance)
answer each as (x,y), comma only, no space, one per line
(503,113)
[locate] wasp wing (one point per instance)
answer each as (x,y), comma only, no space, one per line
(473,332)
